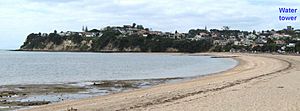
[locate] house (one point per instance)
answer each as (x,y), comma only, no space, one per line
(121,31)
(241,35)
(277,36)
(88,34)
(62,34)
(168,34)
(262,36)
(144,33)
(215,35)
(199,37)
(251,36)
(237,43)
(291,45)
(297,31)
(155,33)
(130,32)
(99,34)
(221,42)
(296,39)
(44,35)
(246,42)
(202,34)
(286,35)
(69,33)
(260,42)
(279,42)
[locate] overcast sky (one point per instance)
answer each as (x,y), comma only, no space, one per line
(21,17)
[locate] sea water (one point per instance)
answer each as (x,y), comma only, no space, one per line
(61,67)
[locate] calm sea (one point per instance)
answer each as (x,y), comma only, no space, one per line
(62,67)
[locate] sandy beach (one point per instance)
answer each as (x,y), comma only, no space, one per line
(262,82)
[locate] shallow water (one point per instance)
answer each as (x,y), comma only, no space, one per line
(97,73)
(63,67)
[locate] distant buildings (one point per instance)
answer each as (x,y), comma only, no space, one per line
(222,37)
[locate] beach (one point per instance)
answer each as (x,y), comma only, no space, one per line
(260,82)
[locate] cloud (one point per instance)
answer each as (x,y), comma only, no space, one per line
(21,17)
(53,1)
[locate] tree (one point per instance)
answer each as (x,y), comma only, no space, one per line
(254,32)
(140,27)
(133,25)
(86,29)
(76,38)
(225,27)
(55,32)
(273,30)
(94,30)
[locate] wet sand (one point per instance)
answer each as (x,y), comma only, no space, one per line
(14,97)
(260,82)
(18,96)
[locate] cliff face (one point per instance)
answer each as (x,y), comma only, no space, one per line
(38,43)
(41,44)
(112,41)
(55,42)
(66,45)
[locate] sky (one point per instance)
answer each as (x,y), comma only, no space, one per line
(18,18)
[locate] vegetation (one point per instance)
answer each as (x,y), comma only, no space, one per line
(137,38)
(151,43)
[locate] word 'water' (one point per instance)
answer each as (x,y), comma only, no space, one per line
(287,11)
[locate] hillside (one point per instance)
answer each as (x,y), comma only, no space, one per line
(136,38)
(111,40)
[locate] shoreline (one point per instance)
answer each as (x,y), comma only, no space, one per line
(198,93)
(165,52)
(26,97)
(22,50)
(151,81)
(23,96)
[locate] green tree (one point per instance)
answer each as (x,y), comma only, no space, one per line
(133,25)
(140,27)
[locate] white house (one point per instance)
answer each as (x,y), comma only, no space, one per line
(291,45)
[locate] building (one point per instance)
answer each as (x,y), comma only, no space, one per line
(88,34)
(280,42)
(291,45)
(289,28)
(221,42)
